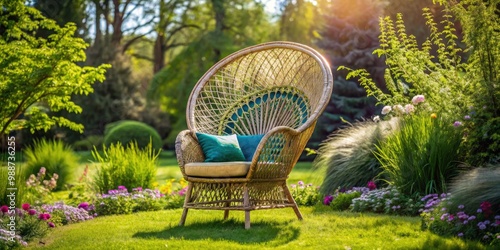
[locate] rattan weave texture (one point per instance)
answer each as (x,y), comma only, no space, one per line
(277,89)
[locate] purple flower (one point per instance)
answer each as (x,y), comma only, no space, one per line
(138,189)
(327,200)
(461,207)
(32,212)
(457,124)
(84,205)
(25,206)
(122,188)
(467,117)
(481,225)
(460,234)
(51,224)
(301,183)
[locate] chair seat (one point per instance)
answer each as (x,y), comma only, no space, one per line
(217,169)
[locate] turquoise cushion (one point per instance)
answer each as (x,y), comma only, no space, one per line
(220,148)
(248,144)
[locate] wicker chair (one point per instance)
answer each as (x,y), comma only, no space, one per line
(275,89)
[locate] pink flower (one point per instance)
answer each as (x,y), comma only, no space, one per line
(42,171)
(25,206)
(122,188)
(417,99)
(409,108)
(44,216)
(371,185)
(327,200)
(32,212)
(4,209)
(51,224)
(301,183)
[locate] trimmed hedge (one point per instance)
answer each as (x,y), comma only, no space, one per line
(128,131)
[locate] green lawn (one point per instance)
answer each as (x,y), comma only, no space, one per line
(321,228)
(271,229)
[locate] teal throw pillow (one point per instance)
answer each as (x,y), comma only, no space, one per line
(220,148)
(248,144)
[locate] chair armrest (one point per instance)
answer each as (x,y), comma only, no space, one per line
(187,149)
(278,152)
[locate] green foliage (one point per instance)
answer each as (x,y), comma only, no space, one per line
(20,184)
(343,201)
(38,74)
(481,25)
(421,157)
(126,132)
(347,158)
(89,143)
(412,69)
(305,195)
(55,157)
(128,166)
(474,187)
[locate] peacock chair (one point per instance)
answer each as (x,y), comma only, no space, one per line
(263,102)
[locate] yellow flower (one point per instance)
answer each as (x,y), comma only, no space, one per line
(434,116)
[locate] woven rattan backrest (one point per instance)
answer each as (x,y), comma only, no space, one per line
(261,87)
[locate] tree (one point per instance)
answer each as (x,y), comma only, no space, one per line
(297,21)
(40,74)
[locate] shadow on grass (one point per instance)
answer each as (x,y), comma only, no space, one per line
(271,233)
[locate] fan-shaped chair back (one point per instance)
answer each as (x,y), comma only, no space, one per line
(259,88)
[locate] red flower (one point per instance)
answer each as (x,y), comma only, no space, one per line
(4,209)
(486,207)
(26,206)
(371,185)
(32,212)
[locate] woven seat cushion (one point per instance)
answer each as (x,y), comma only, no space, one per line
(217,169)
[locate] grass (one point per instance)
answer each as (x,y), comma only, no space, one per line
(322,228)
(271,229)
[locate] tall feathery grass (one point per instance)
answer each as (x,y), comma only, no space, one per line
(476,186)
(55,157)
(347,158)
(422,156)
(128,166)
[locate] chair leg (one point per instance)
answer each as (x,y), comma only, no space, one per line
(228,203)
(291,200)
(186,200)
(246,204)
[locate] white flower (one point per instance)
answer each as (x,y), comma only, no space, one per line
(409,108)
(399,109)
(386,110)
(376,118)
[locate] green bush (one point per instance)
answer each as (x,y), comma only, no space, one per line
(56,157)
(89,143)
(125,166)
(347,157)
(130,131)
(422,156)
(344,200)
(474,187)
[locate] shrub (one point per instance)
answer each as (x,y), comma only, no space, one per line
(126,132)
(343,201)
(474,187)
(38,190)
(120,166)
(304,195)
(63,214)
(89,143)
(55,157)
(422,156)
(347,158)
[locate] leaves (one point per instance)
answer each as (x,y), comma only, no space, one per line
(36,71)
